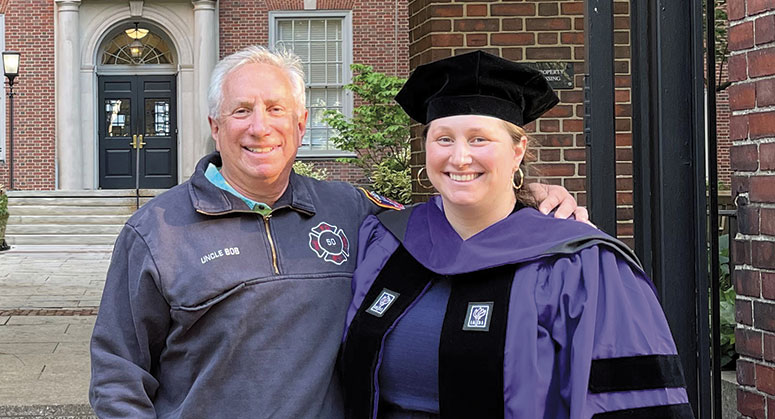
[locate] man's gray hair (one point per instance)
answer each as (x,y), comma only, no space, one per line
(254,54)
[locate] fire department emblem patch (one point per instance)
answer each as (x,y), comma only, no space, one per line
(330,243)
(382,201)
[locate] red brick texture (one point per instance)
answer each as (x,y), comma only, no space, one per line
(376,39)
(534,30)
(29,29)
(380,39)
(723,113)
(752,161)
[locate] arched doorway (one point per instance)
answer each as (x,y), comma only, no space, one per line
(137,108)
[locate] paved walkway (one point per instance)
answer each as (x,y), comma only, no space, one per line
(48,303)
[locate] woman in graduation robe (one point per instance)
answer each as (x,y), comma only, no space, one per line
(476,305)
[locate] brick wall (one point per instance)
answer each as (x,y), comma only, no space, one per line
(380,39)
(341,171)
(535,31)
(723,113)
(29,29)
(752,157)
(377,41)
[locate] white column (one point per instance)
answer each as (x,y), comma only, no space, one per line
(70,157)
(205,58)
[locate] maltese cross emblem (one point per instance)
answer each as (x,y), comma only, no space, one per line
(330,243)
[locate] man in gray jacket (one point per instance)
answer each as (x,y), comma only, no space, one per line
(226,295)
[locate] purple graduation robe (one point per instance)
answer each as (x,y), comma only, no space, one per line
(582,331)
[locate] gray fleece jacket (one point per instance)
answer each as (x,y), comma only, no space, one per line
(213,311)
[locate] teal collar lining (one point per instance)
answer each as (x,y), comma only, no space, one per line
(215,177)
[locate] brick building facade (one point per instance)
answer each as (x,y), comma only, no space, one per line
(536,31)
(29,29)
(371,32)
(392,36)
(723,113)
(379,33)
(752,130)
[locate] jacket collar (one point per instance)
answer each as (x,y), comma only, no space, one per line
(212,200)
(524,235)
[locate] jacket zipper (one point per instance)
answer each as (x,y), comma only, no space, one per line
(271,244)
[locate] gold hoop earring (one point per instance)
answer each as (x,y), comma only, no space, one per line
(419,179)
(521,179)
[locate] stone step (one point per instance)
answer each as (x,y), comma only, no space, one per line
(71,218)
(100,193)
(72,201)
(25,210)
(60,218)
(57,229)
(67,218)
(61,239)
(57,250)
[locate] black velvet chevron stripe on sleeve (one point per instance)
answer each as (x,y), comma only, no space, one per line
(673,411)
(635,373)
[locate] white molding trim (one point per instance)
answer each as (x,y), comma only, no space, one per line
(203,4)
(173,26)
(179,33)
(136,8)
(145,70)
(68,5)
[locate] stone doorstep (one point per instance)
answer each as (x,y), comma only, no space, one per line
(61,249)
(728,395)
(47,411)
(99,193)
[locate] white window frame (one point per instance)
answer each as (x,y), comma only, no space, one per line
(347,57)
(144,69)
(3,133)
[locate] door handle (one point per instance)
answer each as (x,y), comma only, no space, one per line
(141,143)
(134,141)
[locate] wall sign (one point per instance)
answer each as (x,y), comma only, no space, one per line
(559,74)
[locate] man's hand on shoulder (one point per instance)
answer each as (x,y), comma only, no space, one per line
(550,197)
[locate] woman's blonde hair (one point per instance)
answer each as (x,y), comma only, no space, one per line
(516,132)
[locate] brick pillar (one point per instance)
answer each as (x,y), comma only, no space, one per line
(533,30)
(752,157)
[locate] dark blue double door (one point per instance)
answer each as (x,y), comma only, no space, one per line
(137,132)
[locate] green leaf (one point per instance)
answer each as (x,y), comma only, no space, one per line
(377,133)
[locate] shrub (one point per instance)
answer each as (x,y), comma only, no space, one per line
(394,182)
(727,298)
(309,170)
(3,201)
(378,132)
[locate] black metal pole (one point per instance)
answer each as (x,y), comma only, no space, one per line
(599,120)
(10,133)
(137,176)
(669,155)
(641,132)
(710,42)
(700,222)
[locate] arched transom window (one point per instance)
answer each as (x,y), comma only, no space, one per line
(136,47)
